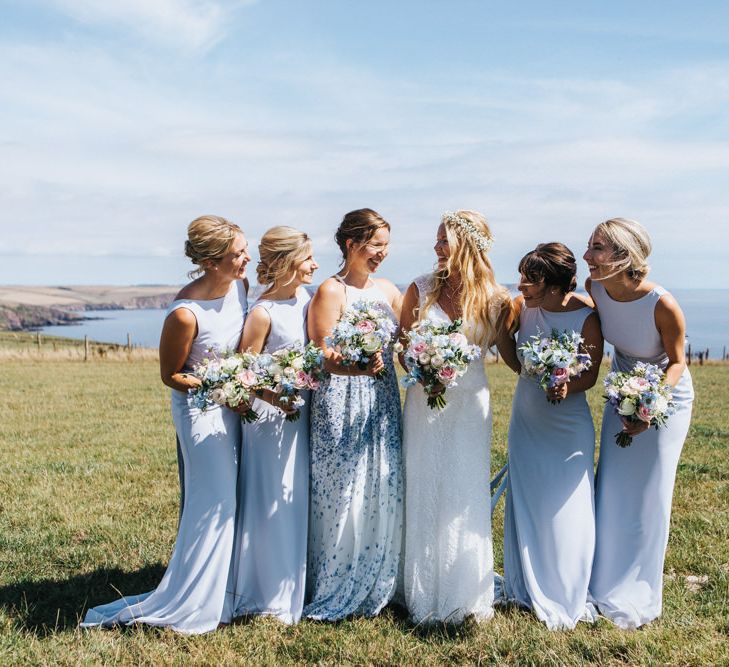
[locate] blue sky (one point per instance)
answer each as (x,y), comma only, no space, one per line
(122,121)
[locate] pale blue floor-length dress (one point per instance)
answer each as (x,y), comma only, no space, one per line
(549,518)
(355,518)
(196,592)
(634,486)
(448,562)
(270,567)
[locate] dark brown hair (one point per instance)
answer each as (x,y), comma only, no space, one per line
(552,263)
(360,226)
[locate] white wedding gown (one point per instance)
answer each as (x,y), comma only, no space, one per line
(448,569)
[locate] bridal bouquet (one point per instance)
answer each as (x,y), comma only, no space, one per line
(227,379)
(290,370)
(436,355)
(364,329)
(554,359)
(640,395)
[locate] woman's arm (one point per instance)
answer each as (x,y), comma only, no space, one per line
(593,346)
(671,326)
(324,312)
(255,331)
(506,327)
(408,317)
(178,333)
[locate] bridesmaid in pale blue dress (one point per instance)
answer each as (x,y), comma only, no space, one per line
(355,520)
(195,594)
(270,568)
(549,520)
(634,487)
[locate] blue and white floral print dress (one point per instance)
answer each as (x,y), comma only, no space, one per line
(355,515)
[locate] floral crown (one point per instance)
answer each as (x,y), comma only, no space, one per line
(483,242)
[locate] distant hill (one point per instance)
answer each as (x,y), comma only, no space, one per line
(29,307)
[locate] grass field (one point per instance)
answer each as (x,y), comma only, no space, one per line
(88,507)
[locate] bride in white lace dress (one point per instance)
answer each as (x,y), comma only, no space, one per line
(448,557)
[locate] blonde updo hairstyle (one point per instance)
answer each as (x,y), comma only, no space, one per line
(631,247)
(209,238)
(359,226)
(482,299)
(281,250)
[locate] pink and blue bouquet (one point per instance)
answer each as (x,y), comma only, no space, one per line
(290,370)
(436,356)
(364,329)
(555,359)
(227,379)
(640,395)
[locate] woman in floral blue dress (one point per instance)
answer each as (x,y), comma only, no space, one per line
(355,516)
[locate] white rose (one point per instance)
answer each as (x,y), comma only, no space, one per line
(217,395)
(298,363)
(370,343)
(437,361)
(424,358)
(230,364)
(661,405)
(626,407)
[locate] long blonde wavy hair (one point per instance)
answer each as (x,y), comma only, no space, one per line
(482,299)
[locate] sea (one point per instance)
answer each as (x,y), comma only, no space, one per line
(706,311)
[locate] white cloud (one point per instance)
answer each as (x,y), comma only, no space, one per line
(104,153)
(191,24)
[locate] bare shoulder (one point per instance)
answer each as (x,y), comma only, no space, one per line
(412,290)
(582,300)
(330,288)
(189,291)
(667,307)
(259,315)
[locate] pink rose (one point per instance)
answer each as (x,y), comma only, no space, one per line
(560,376)
(446,375)
(643,413)
(247,378)
(420,347)
(365,326)
(301,380)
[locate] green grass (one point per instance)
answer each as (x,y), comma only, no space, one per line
(88,507)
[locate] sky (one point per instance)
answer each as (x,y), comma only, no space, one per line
(120,122)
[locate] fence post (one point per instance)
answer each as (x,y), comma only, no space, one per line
(129,342)
(38,339)
(86,348)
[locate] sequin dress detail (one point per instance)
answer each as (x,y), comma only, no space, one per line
(355,517)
